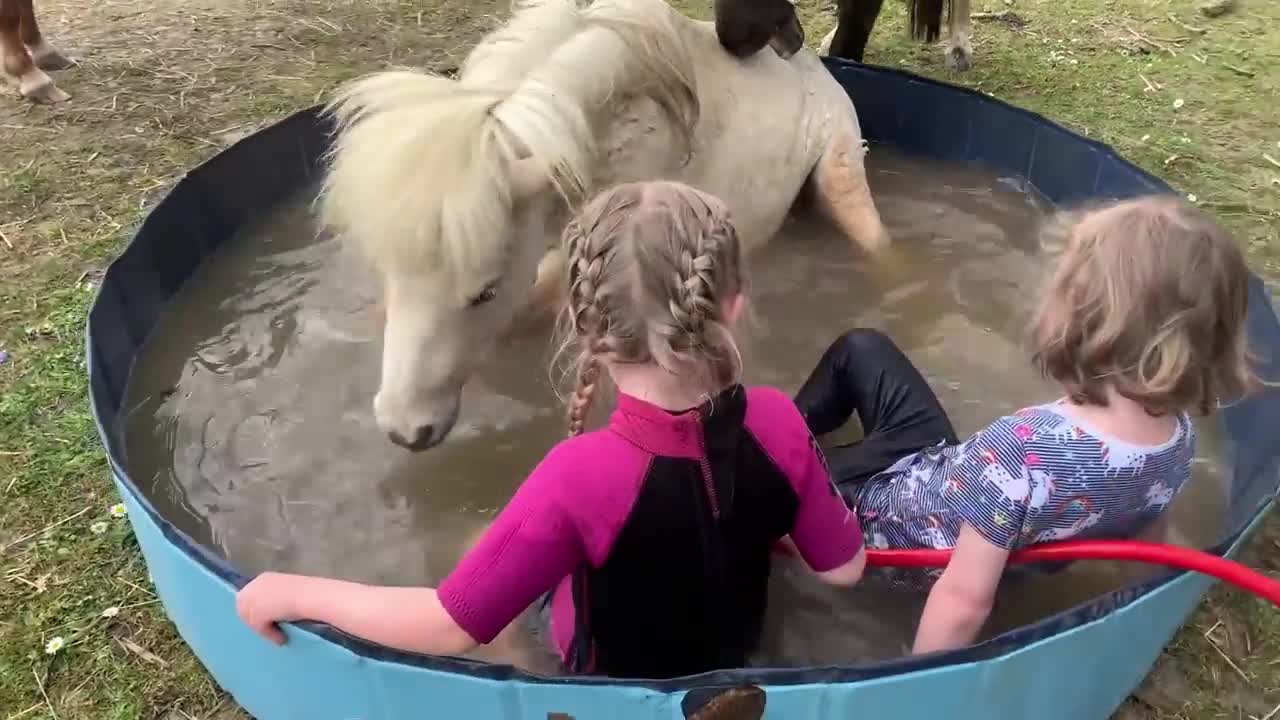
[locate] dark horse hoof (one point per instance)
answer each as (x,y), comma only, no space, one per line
(48,57)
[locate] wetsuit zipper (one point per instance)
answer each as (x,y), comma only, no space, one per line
(715,550)
(704,466)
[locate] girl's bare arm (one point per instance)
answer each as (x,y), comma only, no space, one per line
(961,599)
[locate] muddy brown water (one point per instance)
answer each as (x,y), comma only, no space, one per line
(250,410)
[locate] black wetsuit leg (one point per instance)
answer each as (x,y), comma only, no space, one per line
(864,372)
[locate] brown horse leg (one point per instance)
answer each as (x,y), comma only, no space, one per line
(959,47)
(840,180)
(13,56)
(15,62)
(925,19)
(46,56)
(854,21)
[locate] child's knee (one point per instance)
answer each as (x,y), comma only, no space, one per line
(866,341)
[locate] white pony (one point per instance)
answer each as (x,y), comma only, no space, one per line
(457,190)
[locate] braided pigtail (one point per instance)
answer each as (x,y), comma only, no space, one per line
(583,393)
(586,258)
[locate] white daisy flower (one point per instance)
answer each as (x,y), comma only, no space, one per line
(118,510)
(1178,103)
(55,644)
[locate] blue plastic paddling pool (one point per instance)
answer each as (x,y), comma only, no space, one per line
(1098,651)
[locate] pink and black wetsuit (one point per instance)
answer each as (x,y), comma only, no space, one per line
(655,535)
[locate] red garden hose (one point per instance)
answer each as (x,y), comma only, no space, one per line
(1181,558)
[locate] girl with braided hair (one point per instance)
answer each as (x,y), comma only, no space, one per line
(649,541)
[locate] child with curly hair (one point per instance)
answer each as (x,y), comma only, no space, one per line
(1141,324)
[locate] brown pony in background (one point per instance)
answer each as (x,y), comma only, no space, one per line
(25,55)
(856,18)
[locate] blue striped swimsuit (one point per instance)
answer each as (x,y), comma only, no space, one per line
(1030,477)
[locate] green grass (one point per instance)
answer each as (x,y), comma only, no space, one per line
(166,84)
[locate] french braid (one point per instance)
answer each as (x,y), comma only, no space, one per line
(698,271)
(587,253)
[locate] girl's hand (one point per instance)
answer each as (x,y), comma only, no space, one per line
(786,546)
(405,618)
(268,599)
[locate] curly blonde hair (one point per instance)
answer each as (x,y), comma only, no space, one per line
(1148,298)
(649,268)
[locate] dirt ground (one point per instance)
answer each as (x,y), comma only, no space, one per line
(164,84)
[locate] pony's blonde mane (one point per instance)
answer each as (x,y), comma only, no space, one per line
(419,174)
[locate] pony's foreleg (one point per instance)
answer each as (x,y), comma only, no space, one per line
(16,65)
(840,180)
(45,55)
(960,46)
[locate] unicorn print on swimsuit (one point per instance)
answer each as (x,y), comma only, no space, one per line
(1042,484)
(951,485)
(1016,488)
(1090,519)
(1160,495)
(1122,455)
(933,531)
(911,483)
(876,541)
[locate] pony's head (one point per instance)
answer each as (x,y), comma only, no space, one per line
(453,207)
(454,189)
(443,319)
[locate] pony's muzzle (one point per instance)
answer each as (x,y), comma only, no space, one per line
(415,428)
(423,437)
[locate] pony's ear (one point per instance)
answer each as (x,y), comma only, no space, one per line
(528,178)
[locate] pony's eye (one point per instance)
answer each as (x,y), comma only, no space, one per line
(485,296)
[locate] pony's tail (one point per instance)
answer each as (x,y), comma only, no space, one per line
(926,19)
(396,133)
